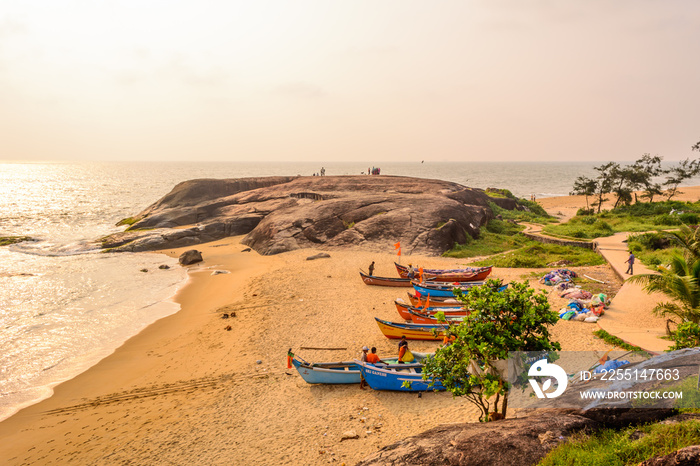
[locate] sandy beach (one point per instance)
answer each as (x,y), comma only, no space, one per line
(187,390)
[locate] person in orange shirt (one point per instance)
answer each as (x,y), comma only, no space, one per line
(373,358)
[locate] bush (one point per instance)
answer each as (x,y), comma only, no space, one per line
(500,192)
(579,234)
(653,241)
(666,219)
(602,225)
(582,212)
(502,227)
(588,220)
(687,335)
(689,218)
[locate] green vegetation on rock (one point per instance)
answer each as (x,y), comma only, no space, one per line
(7,240)
(127,221)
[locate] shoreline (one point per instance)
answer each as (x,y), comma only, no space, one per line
(186,381)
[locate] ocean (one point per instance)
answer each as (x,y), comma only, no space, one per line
(64,305)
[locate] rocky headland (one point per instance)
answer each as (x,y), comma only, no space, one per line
(280,214)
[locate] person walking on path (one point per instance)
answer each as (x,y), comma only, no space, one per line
(630,261)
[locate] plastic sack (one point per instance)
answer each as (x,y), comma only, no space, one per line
(591,319)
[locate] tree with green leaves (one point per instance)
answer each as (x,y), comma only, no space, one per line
(605,179)
(515,319)
(685,170)
(646,169)
(584,186)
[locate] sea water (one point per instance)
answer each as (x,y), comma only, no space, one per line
(64,305)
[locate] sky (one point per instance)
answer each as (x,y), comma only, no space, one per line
(349,80)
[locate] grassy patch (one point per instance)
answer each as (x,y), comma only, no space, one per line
(613,340)
(534,214)
(538,255)
(487,244)
(612,448)
(7,240)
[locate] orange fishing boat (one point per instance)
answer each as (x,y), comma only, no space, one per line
(395,330)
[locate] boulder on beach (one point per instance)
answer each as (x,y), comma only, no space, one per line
(190,257)
(279,214)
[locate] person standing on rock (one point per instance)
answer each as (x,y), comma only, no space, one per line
(371,269)
(630,261)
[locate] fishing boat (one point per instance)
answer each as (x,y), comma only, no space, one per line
(343,372)
(328,372)
(435,301)
(384,281)
(404,309)
(462,275)
(418,317)
(441,289)
(396,330)
(393,377)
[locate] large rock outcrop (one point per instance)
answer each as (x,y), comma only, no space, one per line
(281,214)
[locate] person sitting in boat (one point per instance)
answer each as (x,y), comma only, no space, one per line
(373,357)
(371,269)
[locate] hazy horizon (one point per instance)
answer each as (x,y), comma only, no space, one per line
(331,82)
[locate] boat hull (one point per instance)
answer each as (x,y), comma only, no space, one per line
(393,378)
(464,275)
(420,301)
(419,318)
(395,330)
(385,281)
(404,310)
(340,373)
(444,291)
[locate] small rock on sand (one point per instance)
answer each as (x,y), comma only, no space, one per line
(349,435)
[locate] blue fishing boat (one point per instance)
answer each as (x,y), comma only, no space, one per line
(328,372)
(445,290)
(393,376)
